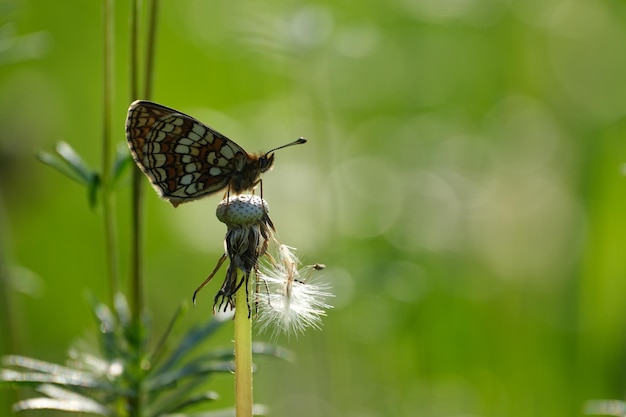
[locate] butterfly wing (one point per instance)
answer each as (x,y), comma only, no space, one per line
(183,158)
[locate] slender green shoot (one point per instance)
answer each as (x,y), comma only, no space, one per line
(136,256)
(108,197)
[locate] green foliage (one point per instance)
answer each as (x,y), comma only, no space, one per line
(606,408)
(68,162)
(172,379)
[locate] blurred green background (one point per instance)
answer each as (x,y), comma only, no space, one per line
(462,182)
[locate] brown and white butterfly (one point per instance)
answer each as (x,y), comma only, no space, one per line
(184,159)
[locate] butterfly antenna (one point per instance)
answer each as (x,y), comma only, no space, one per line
(298,141)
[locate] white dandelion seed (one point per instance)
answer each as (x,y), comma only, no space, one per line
(289,301)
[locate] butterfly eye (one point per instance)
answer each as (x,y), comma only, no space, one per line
(266,161)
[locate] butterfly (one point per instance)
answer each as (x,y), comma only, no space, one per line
(185,160)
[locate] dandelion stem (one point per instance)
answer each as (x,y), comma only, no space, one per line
(243,352)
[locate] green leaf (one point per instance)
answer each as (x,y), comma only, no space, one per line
(194,369)
(121,162)
(190,341)
(160,347)
(606,407)
(108,328)
(204,397)
(71,398)
(71,164)
(36,378)
(91,363)
(46,368)
(92,190)
(23,47)
(267,349)
(75,161)
(62,405)
(122,309)
(59,164)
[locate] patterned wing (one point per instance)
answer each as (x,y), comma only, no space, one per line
(183,158)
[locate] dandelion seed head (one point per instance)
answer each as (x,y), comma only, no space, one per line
(242,210)
(248,235)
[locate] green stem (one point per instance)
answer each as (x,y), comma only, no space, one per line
(134,401)
(9,335)
(151,43)
(136,256)
(243,352)
(108,200)
(137,290)
(134,49)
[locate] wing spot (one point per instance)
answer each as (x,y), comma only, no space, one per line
(198,129)
(227,151)
(182,149)
(187,179)
(191,167)
(191,189)
(211,158)
(193,136)
(160,174)
(215,171)
(159,159)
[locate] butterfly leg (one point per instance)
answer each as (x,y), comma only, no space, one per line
(206,281)
(260,184)
(227,198)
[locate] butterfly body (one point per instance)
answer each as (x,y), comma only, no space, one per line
(185,159)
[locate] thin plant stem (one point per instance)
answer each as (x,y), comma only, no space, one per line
(9,335)
(160,347)
(136,256)
(150,47)
(134,49)
(134,401)
(108,198)
(243,352)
